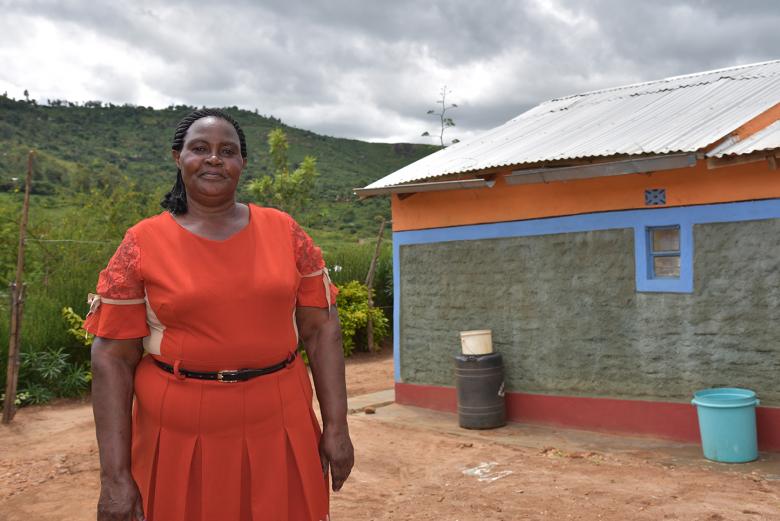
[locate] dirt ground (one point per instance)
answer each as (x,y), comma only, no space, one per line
(408,468)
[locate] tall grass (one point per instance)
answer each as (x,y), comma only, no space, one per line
(66,248)
(350,262)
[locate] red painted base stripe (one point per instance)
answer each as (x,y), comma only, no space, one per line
(768,427)
(427,396)
(674,421)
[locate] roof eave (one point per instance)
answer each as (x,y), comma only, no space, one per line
(615,167)
(436,186)
(605,169)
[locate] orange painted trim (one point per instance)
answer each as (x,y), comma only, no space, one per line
(669,420)
(760,122)
(756,124)
(684,187)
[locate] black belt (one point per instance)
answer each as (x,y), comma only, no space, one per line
(229,375)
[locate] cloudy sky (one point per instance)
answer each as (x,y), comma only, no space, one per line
(369,69)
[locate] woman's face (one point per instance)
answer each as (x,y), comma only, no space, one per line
(210,160)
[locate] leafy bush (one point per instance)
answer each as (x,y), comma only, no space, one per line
(48,374)
(352,302)
(76,328)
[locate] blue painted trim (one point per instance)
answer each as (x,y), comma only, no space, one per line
(644,282)
(684,216)
(728,212)
(396,308)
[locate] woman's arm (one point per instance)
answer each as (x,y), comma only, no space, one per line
(321,335)
(113,370)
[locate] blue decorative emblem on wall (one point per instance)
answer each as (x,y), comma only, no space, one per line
(655,197)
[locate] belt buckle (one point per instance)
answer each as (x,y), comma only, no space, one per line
(227,372)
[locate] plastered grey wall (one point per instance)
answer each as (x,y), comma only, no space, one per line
(566,315)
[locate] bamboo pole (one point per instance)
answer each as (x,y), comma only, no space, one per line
(369,284)
(17,300)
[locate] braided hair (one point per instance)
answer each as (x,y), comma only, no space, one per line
(175,201)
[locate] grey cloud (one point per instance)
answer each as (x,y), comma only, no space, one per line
(372,69)
(114,84)
(130,23)
(453,31)
(676,37)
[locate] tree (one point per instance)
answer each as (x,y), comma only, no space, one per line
(26,95)
(285,190)
(445,121)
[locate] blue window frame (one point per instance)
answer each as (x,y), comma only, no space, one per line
(663,250)
(664,256)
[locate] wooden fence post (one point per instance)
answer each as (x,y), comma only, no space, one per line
(370,283)
(17,301)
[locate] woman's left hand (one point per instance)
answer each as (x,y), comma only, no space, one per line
(321,335)
(336,453)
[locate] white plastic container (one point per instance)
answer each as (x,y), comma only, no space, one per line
(477,342)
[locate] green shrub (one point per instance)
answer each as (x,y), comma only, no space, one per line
(76,328)
(352,302)
(48,374)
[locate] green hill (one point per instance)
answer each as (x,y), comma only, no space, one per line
(99,169)
(78,145)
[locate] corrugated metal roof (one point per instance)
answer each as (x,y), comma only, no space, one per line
(766,139)
(679,114)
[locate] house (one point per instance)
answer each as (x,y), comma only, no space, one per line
(623,245)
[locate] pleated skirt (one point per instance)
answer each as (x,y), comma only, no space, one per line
(248,451)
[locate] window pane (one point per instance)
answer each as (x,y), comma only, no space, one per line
(666,239)
(666,266)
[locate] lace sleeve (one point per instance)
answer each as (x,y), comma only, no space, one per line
(121,280)
(308,257)
(316,289)
(118,310)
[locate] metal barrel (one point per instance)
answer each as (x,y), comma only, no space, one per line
(479,380)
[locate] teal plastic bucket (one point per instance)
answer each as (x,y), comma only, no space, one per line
(727,421)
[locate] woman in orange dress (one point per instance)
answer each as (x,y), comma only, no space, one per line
(217,294)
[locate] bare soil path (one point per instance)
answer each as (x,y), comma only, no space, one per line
(410,467)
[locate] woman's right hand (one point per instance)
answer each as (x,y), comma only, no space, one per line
(120,501)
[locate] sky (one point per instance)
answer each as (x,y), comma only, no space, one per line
(369,69)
